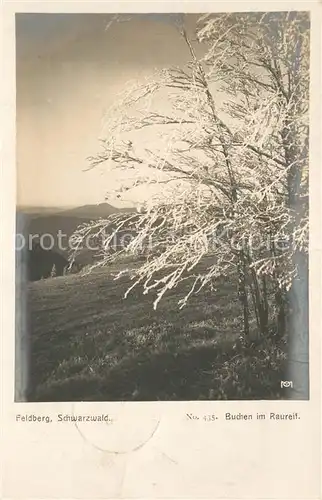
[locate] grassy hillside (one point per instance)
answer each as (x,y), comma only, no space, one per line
(88,343)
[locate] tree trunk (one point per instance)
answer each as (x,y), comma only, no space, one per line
(298,296)
(259,299)
(242,294)
(280,294)
(280,301)
(298,326)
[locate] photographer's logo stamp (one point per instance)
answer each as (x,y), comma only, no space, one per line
(285,384)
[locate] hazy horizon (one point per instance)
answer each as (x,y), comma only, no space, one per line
(64,207)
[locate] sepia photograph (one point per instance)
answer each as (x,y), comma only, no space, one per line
(162,208)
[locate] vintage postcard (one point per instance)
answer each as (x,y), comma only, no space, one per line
(161,250)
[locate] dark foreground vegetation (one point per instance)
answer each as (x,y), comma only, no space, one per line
(89,344)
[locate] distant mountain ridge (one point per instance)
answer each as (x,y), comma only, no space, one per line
(54,222)
(86,211)
(39,211)
(94,211)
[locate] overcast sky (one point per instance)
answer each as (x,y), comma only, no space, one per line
(69,70)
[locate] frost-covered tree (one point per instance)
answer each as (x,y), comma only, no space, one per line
(232,162)
(53,272)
